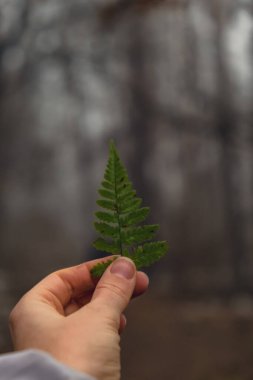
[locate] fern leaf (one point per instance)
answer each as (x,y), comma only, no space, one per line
(103,245)
(126,195)
(119,223)
(109,205)
(106,229)
(99,269)
(139,234)
(108,185)
(107,194)
(130,205)
(124,187)
(135,217)
(106,217)
(149,253)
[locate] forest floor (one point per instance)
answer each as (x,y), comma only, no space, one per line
(188,340)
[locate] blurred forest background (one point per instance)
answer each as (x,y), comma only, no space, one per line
(172,82)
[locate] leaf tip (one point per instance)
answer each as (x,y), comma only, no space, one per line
(112,145)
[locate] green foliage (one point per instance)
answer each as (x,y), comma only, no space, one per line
(99,269)
(119,224)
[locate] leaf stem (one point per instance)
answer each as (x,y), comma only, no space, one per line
(117,207)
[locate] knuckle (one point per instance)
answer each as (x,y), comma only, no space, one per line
(16,313)
(113,289)
(13,316)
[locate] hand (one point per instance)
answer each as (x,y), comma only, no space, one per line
(76,320)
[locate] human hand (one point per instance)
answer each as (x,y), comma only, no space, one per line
(77,320)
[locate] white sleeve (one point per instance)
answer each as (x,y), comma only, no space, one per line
(36,365)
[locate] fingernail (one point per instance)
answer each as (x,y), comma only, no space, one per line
(123,268)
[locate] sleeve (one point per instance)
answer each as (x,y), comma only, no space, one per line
(36,365)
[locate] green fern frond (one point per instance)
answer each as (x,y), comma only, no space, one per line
(135,217)
(106,230)
(106,217)
(99,269)
(103,245)
(139,234)
(149,253)
(119,222)
(109,205)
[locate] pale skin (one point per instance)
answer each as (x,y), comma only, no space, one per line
(78,320)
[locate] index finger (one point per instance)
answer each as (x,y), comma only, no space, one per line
(58,288)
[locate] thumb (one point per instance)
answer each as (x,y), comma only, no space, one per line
(115,288)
